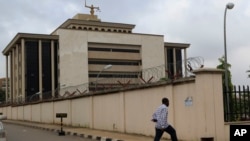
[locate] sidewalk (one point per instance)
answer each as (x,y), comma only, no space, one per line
(84,132)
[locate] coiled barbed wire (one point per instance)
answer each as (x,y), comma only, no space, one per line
(194,63)
(134,79)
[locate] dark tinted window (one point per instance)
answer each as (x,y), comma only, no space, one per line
(32,67)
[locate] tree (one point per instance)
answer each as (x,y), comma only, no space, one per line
(228,100)
(222,66)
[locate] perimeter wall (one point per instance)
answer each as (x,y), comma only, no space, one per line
(195,110)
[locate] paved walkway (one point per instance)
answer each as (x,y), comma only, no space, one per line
(84,132)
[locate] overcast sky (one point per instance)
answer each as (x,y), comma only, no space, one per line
(198,22)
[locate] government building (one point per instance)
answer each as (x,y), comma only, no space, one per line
(78,50)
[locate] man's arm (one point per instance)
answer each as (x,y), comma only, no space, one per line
(154,117)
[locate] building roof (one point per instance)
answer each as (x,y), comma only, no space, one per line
(19,36)
(69,22)
(84,22)
(176,45)
(91,22)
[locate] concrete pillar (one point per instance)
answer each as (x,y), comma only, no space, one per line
(209,104)
(40,69)
(23,69)
(185,62)
(52,69)
(174,62)
(7,79)
(17,73)
(11,78)
(166,61)
(13,75)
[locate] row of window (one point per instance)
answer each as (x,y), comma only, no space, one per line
(127,63)
(113,50)
(116,75)
(101,29)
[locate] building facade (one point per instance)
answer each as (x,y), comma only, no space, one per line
(78,50)
(31,60)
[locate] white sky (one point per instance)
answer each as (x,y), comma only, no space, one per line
(198,22)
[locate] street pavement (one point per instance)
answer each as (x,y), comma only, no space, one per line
(84,132)
(24,133)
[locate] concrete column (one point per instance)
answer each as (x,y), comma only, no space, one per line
(11,78)
(175,63)
(185,62)
(17,73)
(13,75)
(23,69)
(166,62)
(52,69)
(208,101)
(7,79)
(40,69)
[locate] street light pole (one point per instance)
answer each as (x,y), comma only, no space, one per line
(228,6)
(104,68)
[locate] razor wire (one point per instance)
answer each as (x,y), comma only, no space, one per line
(194,63)
(129,80)
(135,79)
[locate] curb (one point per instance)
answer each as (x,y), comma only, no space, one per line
(81,135)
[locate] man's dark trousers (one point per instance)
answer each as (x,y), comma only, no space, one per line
(170,130)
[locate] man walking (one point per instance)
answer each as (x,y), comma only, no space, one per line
(160,117)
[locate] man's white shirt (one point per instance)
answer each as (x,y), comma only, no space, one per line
(161,115)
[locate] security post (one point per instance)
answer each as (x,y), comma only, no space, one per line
(61,115)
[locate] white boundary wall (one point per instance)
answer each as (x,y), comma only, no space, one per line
(130,111)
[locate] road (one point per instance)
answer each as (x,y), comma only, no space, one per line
(22,133)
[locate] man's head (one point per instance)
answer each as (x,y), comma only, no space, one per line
(165,101)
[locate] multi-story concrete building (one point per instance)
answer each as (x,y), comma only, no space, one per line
(78,50)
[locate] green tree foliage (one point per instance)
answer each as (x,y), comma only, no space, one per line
(227,95)
(238,100)
(222,66)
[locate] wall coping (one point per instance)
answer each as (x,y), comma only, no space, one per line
(144,86)
(237,123)
(208,70)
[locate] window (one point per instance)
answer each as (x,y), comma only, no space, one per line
(113,50)
(115,75)
(103,62)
